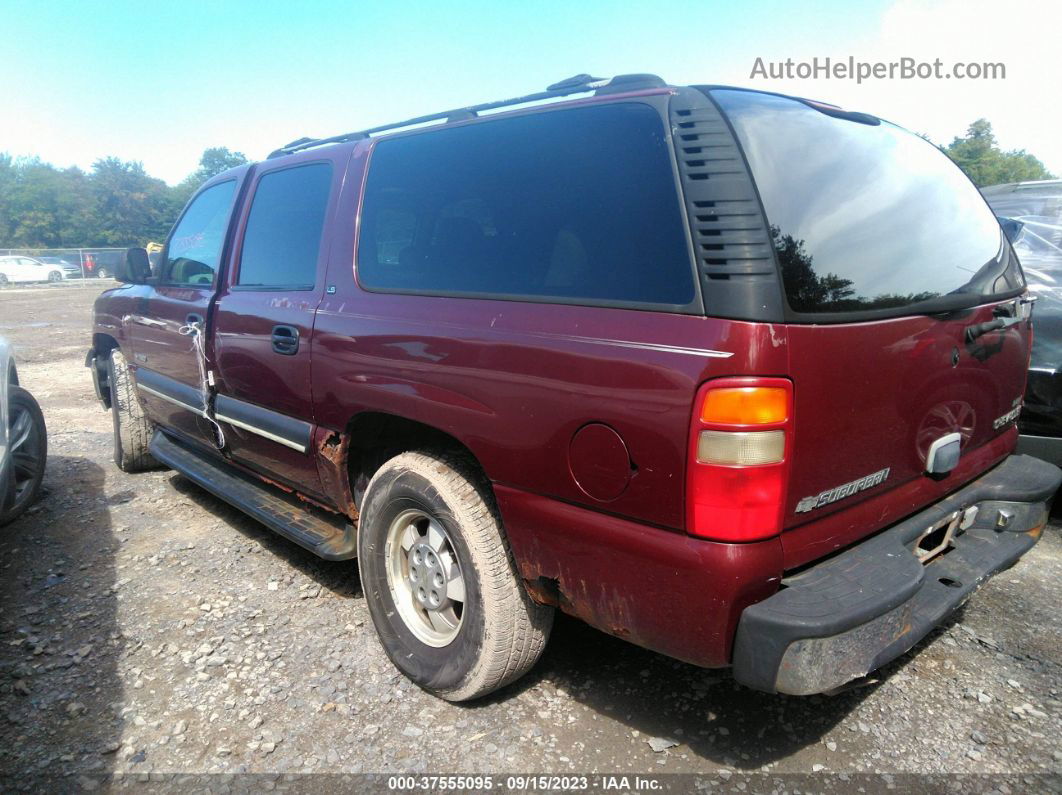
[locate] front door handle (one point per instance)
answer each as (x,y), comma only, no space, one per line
(285,340)
(193,318)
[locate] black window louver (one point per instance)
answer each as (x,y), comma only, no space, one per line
(735,259)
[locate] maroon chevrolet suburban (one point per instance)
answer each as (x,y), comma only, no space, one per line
(728,374)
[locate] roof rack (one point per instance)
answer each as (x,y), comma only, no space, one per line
(578,84)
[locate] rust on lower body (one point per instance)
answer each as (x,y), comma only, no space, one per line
(604,612)
(333,449)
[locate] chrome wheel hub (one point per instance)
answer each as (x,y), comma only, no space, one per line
(425,577)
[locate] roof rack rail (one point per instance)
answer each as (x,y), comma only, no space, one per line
(577,84)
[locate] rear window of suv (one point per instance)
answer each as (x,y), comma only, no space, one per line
(570,206)
(865,217)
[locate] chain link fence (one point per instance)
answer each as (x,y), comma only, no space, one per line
(32,265)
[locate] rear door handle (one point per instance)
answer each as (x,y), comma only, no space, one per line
(285,340)
(193,318)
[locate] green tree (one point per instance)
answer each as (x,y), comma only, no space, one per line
(131,207)
(218,159)
(214,160)
(41,205)
(978,154)
(7,188)
(116,204)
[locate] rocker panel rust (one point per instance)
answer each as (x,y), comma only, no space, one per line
(333,451)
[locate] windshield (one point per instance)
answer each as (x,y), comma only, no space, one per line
(865,217)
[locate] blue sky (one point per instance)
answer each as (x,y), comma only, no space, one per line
(159,81)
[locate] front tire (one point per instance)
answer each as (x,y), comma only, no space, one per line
(27,453)
(447,603)
(103,273)
(132,430)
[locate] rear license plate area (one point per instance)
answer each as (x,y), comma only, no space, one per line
(937,539)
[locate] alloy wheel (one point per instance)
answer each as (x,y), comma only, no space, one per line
(424,576)
(25,449)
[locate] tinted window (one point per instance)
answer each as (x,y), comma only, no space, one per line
(195,245)
(576,206)
(283,233)
(865,217)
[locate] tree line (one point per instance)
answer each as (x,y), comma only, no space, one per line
(116,203)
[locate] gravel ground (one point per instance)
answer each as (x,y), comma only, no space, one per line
(147,628)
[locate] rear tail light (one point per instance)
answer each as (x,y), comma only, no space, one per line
(739,458)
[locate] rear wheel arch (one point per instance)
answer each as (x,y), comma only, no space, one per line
(377,437)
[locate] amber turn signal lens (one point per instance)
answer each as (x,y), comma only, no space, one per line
(751,405)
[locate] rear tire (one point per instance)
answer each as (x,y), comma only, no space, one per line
(132,430)
(501,632)
(3,280)
(103,273)
(27,453)
(55,276)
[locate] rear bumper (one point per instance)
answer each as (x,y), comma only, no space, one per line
(852,613)
(1049,448)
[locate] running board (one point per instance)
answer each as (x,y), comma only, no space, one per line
(283,513)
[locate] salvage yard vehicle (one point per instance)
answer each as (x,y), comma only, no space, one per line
(669,359)
(23,442)
(1033,213)
(19,268)
(70,270)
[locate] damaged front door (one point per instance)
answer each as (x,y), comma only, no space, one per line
(171,331)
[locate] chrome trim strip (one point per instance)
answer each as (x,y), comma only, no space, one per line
(650,346)
(261,432)
(172,400)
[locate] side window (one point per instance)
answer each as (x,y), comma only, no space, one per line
(395,230)
(283,235)
(195,247)
(570,206)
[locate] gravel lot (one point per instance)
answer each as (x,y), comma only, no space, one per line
(145,627)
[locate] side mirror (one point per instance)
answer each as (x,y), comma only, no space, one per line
(136,269)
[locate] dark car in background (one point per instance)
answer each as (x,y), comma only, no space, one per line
(1031,214)
(102,264)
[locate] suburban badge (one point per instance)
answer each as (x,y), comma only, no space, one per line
(840,492)
(1007,418)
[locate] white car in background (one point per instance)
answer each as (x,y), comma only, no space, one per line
(19,268)
(23,442)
